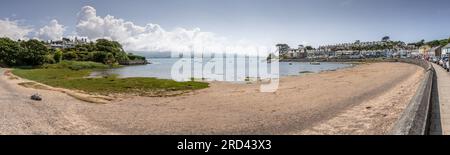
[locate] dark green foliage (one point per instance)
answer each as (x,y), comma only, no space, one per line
(15,53)
(109,59)
(9,51)
(103,51)
(34,53)
(99,56)
(131,56)
(70,56)
(283,48)
(435,43)
(58,56)
(49,59)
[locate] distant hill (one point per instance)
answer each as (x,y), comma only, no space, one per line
(153,54)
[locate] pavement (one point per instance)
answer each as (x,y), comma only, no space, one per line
(440,118)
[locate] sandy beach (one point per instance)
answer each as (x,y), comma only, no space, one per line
(366,99)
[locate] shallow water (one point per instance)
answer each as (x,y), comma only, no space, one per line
(161,68)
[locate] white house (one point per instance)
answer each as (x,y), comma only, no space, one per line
(446,50)
(67,43)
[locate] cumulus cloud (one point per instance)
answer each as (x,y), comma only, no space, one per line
(13,30)
(52,31)
(151,37)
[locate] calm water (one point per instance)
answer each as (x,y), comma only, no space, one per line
(161,68)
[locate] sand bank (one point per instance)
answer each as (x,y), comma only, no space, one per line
(366,99)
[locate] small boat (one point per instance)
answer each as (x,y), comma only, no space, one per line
(314,63)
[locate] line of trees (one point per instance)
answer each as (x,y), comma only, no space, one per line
(441,42)
(433,43)
(21,53)
(33,53)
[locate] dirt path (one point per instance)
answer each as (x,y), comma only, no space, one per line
(325,103)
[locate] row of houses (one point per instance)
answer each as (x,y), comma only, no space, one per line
(344,46)
(320,54)
(67,43)
(348,50)
(437,51)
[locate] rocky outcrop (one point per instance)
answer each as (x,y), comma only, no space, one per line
(134,62)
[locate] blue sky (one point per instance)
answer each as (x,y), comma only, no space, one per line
(265,22)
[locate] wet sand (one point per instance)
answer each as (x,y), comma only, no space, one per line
(366,99)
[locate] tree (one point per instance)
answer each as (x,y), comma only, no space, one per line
(58,56)
(9,51)
(109,59)
(99,56)
(283,48)
(113,47)
(443,42)
(49,59)
(121,56)
(70,56)
(309,48)
(433,43)
(420,43)
(386,39)
(34,53)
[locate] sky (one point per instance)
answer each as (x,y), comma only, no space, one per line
(165,25)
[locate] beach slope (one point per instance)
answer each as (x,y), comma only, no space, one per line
(366,99)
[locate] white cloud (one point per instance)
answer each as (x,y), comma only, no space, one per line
(151,37)
(13,30)
(53,31)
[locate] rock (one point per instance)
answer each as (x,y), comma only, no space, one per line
(36,97)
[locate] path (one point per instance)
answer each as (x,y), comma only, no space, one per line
(56,114)
(440,123)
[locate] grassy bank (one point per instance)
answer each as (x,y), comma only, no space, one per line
(71,75)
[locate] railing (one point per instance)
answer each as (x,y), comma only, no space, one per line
(415,119)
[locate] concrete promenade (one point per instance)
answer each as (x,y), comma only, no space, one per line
(440,118)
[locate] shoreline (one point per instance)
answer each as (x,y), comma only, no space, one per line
(104,72)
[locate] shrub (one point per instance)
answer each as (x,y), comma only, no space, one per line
(58,56)
(9,51)
(70,56)
(34,53)
(135,57)
(98,56)
(49,59)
